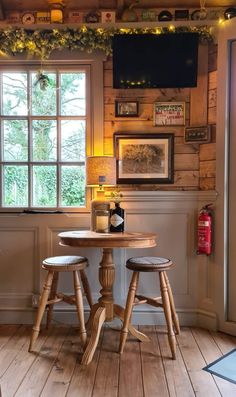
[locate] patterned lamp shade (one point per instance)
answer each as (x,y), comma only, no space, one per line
(101,171)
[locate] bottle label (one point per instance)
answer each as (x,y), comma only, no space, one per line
(116,220)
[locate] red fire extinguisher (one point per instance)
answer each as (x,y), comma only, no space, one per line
(205,231)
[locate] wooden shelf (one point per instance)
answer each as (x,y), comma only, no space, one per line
(118,25)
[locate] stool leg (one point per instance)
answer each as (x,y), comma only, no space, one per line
(41,308)
(80,307)
(86,287)
(52,296)
(128,310)
(172,305)
(167,311)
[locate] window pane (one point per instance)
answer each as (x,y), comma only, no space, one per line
(15,182)
(15,143)
(73,140)
(14,94)
(44,140)
(73,94)
(44,186)
(73,186)
(44,96)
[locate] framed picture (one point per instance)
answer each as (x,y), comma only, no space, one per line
(144,157)
(126,108)
(199,134)
(169,113)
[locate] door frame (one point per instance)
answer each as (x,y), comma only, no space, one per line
(226,34)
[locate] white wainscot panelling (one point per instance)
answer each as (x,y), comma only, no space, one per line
(173,241)
(18,254)
(25,240)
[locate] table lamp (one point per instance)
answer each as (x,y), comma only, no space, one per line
(100,172)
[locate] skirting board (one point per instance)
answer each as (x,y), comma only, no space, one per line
(186,317)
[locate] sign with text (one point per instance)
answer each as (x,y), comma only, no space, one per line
(169,113)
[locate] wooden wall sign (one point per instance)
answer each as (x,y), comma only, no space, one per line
(197,134)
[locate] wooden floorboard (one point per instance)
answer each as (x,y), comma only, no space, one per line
(143,370)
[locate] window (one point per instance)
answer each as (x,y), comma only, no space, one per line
(44,121)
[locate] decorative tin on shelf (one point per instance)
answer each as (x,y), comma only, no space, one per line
(92,17)
(148,15)
(75,16)
(108,16)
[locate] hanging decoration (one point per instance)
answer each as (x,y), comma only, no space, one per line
(42,43)
(203,11)
(42,80)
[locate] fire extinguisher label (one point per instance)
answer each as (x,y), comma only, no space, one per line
(203,223)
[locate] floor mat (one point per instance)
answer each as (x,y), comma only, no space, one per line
(224,367)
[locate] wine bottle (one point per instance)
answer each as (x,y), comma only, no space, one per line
(117,218)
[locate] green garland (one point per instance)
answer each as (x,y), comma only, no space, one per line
(41,43)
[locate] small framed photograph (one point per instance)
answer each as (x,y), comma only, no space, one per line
(144,157)
(126,108)
(169,113)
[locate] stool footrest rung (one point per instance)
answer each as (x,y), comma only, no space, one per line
(67,298)
(52,301)
(150,301)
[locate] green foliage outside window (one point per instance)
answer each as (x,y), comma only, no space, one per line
(44,128)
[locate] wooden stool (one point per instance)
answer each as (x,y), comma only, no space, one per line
(49,296)
(166,301)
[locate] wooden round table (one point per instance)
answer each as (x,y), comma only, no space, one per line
(105,309)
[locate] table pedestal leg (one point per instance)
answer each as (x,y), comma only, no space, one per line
(104,309)
(119,312)
(98,320)
(106,278)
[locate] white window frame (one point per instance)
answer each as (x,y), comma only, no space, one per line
(94,139)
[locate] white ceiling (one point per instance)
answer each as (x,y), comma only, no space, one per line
(23,5)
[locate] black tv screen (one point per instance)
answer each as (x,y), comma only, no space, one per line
(155,60)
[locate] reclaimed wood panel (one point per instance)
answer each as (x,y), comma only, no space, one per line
(198,95)
(208,169)
(207,183)
(207,151)
(186,161)
(200,109)
(212,84)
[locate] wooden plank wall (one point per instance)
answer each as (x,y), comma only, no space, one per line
(194,164)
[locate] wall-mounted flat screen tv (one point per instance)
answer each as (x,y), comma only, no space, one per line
(155,60)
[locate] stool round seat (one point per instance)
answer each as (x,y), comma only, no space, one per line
(65,263)
(148,264)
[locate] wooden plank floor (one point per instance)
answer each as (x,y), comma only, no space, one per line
(144,369)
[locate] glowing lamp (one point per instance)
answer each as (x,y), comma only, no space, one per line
(100,172)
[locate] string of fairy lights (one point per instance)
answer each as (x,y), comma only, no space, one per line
(41,43)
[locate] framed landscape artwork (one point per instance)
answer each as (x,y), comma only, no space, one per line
(144,157)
